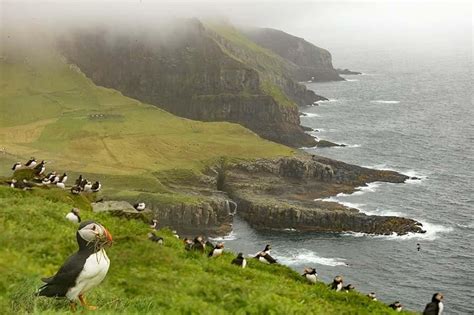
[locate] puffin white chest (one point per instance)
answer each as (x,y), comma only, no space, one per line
(311,278)
(339,287)
(217,252)
(262,259)
(244,263)
(94,271)
(73,218)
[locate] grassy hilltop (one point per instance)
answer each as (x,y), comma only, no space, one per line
(145,278)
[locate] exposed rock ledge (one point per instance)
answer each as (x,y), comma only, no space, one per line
(281,193)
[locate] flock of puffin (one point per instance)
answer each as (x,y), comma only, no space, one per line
(88,267)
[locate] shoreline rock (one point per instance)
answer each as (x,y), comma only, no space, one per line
(347,72)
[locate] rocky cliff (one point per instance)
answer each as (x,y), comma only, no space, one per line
(287,192)
(191,71)
(312,63)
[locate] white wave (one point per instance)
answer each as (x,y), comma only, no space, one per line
(309,115)
(331,100)
(385,102)
(432,233)
(413,174)
(351,80)
(289,230)
(357,206)
(349,145)
(304,256)
(229,237)
(466,226)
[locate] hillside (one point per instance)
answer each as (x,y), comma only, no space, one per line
(310,62)
(184,68)
(50,110)
(145,278)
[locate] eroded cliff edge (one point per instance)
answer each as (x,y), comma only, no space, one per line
(197,71)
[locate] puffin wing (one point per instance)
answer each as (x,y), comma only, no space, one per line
(269,258)
(59,284)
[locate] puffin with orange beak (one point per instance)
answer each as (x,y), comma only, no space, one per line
(83,270)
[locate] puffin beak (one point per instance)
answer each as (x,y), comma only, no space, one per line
(108,236)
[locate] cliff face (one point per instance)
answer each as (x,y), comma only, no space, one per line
(312,62)
(279,194)
(188,73)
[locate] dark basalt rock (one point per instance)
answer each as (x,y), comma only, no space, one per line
(327,144)
(347,72)
(281,193)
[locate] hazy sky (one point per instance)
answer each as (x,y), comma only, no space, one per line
(339,26)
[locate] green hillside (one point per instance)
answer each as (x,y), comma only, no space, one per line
(50,110)
(145,278)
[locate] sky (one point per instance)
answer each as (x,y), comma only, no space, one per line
(339,26)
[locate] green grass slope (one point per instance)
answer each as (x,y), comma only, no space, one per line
(50,110)
(145,278)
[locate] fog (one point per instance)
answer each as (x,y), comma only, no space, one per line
(340,27)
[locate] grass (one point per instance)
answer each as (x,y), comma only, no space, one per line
(145,278)
(270,66)
(50,110)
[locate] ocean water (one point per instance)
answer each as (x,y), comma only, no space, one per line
(413,114)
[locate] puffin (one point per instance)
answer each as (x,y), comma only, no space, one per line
(83,270)
(217,250)
(337,284)
(73,216)
(140,206)
(31,163)
(75,190)
(55,179)
(83,183)
(188,244)
(46,181)
(240,261)
(198,244)
(175,234)
(397,306)
(51,175)
(96,186)
(78,180)
(372,296)
(264,256)
(25,185)
(154,238)
(348,288)
(63,178)
(60,185)
(436,306)
(40,168)
(311,275)
(154,224)
(13,183)
(16,166)
(88,187)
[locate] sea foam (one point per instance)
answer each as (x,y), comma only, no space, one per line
(385,102)
(304,256)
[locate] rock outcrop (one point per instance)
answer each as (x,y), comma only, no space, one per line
(313,63)
(287,192)
(197,72)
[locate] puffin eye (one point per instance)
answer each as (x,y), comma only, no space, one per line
(93,228)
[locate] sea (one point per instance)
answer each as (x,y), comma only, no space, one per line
(411,112)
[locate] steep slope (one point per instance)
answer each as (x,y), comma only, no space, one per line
(50,110)
(186,70)
(312,63)
(145,278)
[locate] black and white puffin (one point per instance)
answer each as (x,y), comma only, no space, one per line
(311,275)
(25,185)
(63,178)
(16,166)
(337,284)
(96,186)
(140,206)
(154,238)
(78,181)
(372,296)
(217,250)
(188,244)
(55,179)
(154,224)
(88,187)
(40,168)
(51,175)
(436,306)
(397,306)
(60,185)
(83,183)
(75,190)
(31,163)
(240,261)
(46,181)
(73,216)
(198,244)
(264,256)
(348,288)
(83,270)
(13,183)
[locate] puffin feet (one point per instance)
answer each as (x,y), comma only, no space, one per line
(73,306)
(84,303)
